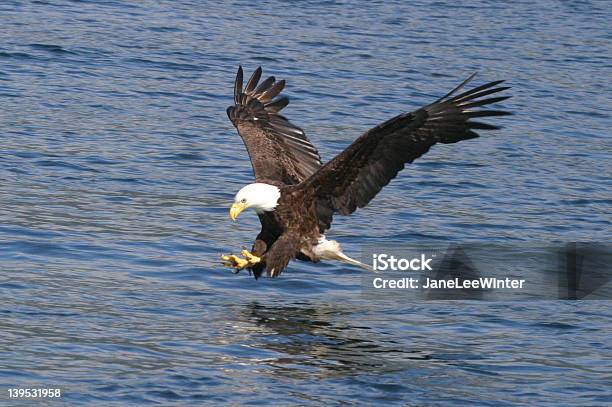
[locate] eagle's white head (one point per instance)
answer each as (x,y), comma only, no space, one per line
(259,196)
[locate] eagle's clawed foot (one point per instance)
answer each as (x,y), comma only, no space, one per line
(234,261)
(239,263)
(250,257)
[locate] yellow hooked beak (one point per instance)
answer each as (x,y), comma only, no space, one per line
(236,208)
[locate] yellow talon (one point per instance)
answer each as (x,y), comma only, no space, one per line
(239,263)
(234,261)
(250,257)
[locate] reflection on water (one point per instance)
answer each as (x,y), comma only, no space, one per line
(323,341)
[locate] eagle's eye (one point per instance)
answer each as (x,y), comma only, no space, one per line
(243,200)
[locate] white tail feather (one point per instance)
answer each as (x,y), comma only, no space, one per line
(331,250)
(346,259)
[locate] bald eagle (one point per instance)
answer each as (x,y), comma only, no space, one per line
(296,196)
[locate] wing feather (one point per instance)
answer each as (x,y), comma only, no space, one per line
(280,152)
(252,82)
(355,176)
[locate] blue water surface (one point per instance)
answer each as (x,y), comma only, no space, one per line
(118,165)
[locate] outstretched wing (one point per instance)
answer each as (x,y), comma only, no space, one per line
(279,150)
(355,176)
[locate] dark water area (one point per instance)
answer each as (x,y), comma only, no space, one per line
(118,166)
